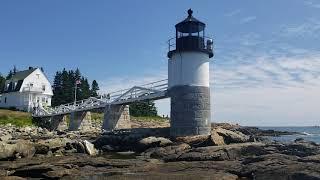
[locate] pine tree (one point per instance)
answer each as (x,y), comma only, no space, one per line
(64,87)
(57,89)
(94,88)
(2,83)
(14,69)
(84,89)
(145,108)
(10,74)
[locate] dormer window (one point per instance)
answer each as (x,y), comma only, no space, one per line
(38,76)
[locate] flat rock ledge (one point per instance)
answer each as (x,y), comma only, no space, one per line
(150,153)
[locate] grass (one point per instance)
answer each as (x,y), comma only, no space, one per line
(16,118)
(22,119)
(150,118)
(99,117)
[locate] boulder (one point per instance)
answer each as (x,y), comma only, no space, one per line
(232,136)
(89,147)
(196,141)
(7,150)
(216,139)
(5,137)
(55,143)
(20,148)
(151,141)
(25,149)
(172,151)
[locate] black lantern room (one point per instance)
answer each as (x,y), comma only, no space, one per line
(190,36)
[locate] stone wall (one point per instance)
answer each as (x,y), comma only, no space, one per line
(116,117)
(80,121)
(190,110)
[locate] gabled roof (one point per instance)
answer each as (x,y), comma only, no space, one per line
(18,77)
(21,75)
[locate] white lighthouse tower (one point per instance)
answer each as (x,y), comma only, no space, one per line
(188,76)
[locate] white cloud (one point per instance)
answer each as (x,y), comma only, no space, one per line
(309,28)
(247,19)
(312,3)
(233,13)
(271,90)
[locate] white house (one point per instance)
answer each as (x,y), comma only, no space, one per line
(27,89)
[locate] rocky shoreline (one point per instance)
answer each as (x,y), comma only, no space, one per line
(229,152)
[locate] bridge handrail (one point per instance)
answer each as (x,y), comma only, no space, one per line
(123,95)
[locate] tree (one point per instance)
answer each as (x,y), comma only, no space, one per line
(84,89)
(64,87)
(57,89)
(94,88)
(10,74)
(145,108)
(2,83)
(14,69)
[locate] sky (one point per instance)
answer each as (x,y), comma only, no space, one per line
(265,72)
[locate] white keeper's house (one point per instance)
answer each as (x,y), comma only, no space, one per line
(27,89)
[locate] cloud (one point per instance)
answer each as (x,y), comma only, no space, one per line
(233,13)
(269,71)
(309,28)
(247,19)
(312,3)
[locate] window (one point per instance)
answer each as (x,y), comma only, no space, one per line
(43,87)
(38,76)
(31,84)
(5,100)
(43,99)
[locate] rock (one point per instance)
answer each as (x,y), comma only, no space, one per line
(6,137)
(21,148)
(7,150)
(168,151)
(41,149)
(231,136)
(196,141)
(216,139)
(12,178)
(216,153)
(25,149)
(89,147)
(149,142)
(55,143)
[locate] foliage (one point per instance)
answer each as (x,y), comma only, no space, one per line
(144,108)
(64,85)
(2,83)
(94,88)
(16,118)
(12,72)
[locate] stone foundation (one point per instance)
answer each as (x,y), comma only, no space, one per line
(80,121)
(116,117)
(190,110)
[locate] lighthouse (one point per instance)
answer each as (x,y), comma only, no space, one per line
(188,78)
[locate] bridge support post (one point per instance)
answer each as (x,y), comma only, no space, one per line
(116,117)
(80,121)
(59,123)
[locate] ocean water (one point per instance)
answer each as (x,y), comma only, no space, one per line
(310,133)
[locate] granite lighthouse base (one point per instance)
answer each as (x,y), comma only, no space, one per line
(190,110)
